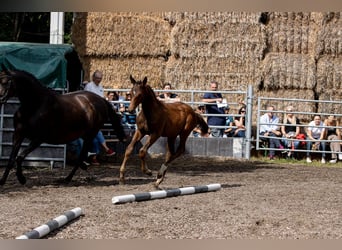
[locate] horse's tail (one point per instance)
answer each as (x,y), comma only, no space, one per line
(202,123)
(115,120)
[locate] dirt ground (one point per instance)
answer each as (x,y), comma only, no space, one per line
(258,200)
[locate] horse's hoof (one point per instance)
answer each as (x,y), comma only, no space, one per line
(121,182)
(91,178)
(66,180)
(84,165)
(2,182)
(148,172)
(21,179)
(156,186)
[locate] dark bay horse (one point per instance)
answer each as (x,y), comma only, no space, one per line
(45,116)
(158,119)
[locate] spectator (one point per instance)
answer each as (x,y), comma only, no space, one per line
(229,131)
(112,96)
(196,132)
(290,130)
(124,106)
(96,87)
(168,96)
(240,122)
(315,133)
(269,128)
(333,133)
(215,106)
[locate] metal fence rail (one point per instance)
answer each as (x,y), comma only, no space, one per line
(328,107)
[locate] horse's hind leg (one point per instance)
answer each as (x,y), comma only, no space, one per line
(86,144)
(170,156)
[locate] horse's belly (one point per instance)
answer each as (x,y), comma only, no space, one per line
(56,137)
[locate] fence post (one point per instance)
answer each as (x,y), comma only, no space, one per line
(249,110)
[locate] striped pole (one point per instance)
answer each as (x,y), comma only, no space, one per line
(52,225)
(164,193)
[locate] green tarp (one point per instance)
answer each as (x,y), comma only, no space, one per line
(46,62)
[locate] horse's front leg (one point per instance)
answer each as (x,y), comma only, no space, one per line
(11,161)
(20,158)
(136,137)
(143,151)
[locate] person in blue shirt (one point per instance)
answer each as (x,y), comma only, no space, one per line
(213,100)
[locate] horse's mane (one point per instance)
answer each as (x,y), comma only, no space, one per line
(151,92)
(32,79)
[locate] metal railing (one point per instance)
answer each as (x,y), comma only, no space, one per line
(299,105)
(193,98)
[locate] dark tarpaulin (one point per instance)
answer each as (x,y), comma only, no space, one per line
(46,62)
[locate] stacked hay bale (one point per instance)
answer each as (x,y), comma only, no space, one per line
(288,69)
(328,54)
(284,55)
(120,44)
(187,49)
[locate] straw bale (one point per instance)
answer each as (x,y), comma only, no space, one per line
(329,36)
(280,105)
(215,17)
(112,34)
(288,71)
(199,39)
(327,108)
(116,71)
(232,73)
(329,75)
(290,32)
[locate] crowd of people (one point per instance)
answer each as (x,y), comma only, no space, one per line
(284,135)
(287,135)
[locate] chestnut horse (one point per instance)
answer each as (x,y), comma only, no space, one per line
(158,119)
(45,116)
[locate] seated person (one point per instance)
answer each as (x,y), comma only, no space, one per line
(239,122)
(229,131)
(289,130)
(168,96)
(333,133)
(315,133)
(269,127)
(196,132)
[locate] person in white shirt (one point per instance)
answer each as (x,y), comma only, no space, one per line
(96,87)
(269,127)
(315,133)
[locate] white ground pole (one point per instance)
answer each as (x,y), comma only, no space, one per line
(165,193)
(52,225)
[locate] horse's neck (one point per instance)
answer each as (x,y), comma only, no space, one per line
(31,94)
(150,105)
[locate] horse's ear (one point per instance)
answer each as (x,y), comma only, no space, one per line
(132,79)
(145,80)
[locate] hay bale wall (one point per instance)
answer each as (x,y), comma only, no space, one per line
(282,54)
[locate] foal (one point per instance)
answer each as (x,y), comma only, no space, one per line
(158,119)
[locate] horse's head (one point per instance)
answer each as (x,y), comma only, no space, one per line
(6,85)
(138,93)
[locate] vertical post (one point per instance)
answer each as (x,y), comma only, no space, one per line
(57,28)
(249,110)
